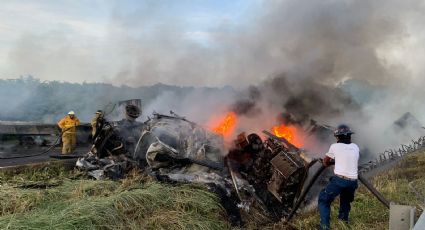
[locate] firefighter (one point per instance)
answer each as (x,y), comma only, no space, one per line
(95,122)
(345,155)
(69,132)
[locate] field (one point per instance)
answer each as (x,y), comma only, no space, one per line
(54,198)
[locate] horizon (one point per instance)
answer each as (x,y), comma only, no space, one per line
(30,77)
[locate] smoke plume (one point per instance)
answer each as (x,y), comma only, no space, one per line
(299,57)
(336,61)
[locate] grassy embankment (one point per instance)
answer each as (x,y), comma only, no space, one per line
(52,198)
(367,212)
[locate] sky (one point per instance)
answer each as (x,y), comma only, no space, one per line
(208,42)
(295,52)
(95,40)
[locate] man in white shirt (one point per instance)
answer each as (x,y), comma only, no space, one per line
(344,182)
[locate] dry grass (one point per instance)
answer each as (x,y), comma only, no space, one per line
(80,203)
(53,198)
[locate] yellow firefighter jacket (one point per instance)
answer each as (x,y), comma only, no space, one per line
(68,125)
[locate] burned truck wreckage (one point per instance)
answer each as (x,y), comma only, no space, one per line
(268,175)
(264,172)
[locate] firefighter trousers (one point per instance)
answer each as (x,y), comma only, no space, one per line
(69,142)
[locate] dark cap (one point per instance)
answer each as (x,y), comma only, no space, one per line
(343,130)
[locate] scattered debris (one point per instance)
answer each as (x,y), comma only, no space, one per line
(269,174)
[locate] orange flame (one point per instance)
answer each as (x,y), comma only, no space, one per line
(290,133)
(226,125)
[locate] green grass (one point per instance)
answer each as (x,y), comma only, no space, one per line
(79,203)
(54,198)
(367,212)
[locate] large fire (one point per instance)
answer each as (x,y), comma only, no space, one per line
(225,125)
(290,133)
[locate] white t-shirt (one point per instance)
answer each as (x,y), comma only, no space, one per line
(346,159)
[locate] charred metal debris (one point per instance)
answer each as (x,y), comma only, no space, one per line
(268,175)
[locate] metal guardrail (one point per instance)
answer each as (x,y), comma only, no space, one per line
(393,155)
(389,158)
(420,224)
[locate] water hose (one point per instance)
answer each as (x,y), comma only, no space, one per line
(375,192)
(41,153)
(305,191)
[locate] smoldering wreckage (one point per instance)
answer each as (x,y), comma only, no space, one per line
(266,172)
(268,175)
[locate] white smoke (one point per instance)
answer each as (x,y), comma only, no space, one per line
(294,52)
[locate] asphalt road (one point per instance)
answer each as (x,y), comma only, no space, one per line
(26,158)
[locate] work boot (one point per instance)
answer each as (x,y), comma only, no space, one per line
(343,220)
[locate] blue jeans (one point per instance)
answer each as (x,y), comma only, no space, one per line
(337,186)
